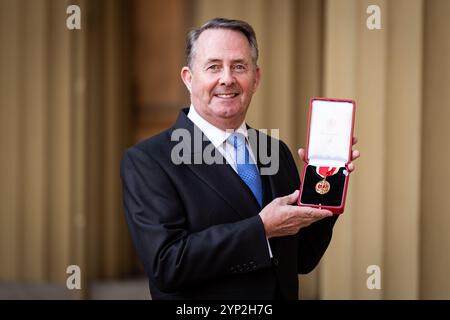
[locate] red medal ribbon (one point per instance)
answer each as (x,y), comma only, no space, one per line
(325,172)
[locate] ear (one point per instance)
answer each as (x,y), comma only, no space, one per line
(186,76)
(257,78)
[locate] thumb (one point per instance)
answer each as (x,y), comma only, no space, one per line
(289,199)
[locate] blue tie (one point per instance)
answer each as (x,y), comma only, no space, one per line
(246,168)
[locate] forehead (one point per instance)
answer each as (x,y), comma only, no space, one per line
(222,44)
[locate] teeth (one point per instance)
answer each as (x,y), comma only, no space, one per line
(229,95)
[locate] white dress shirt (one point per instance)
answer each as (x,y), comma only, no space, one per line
(218,138)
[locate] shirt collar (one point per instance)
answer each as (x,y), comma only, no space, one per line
(216,135)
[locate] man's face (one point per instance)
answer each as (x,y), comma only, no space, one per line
(223,77)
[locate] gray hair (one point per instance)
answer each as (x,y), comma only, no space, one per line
(222,23)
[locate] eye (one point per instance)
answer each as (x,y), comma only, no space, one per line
(239,67)
(213,67)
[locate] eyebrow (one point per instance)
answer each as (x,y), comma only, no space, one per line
(214,60)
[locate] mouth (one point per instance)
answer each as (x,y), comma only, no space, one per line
(226,95)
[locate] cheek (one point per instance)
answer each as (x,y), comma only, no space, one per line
(205,89)
(249,89)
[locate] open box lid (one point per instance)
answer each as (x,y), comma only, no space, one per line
(330,132)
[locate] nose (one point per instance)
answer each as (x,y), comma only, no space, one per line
(226,77)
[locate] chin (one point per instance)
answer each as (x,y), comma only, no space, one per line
(228,111)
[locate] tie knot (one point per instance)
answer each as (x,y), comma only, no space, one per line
(236,139)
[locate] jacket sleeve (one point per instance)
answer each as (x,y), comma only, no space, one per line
(174,257)
(313,240)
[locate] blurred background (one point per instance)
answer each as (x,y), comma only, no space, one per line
(71,101)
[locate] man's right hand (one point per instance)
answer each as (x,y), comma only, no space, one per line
(280,218)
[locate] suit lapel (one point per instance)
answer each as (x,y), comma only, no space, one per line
(219,175)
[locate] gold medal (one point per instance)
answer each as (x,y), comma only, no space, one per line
(322,187)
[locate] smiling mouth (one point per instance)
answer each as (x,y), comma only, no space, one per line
(226,95)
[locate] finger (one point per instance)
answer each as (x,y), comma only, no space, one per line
(321,213)
(313,213)
(351,167)
(301,154)
(354,140)
(289,199)
(355,154)
(317,218)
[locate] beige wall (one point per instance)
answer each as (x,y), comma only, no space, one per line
(157,58)
(381,225)
(63,121)
(435,201)
(65,109)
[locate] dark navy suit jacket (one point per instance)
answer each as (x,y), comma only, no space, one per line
(197,230)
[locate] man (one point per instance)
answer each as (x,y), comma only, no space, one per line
(219,230)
